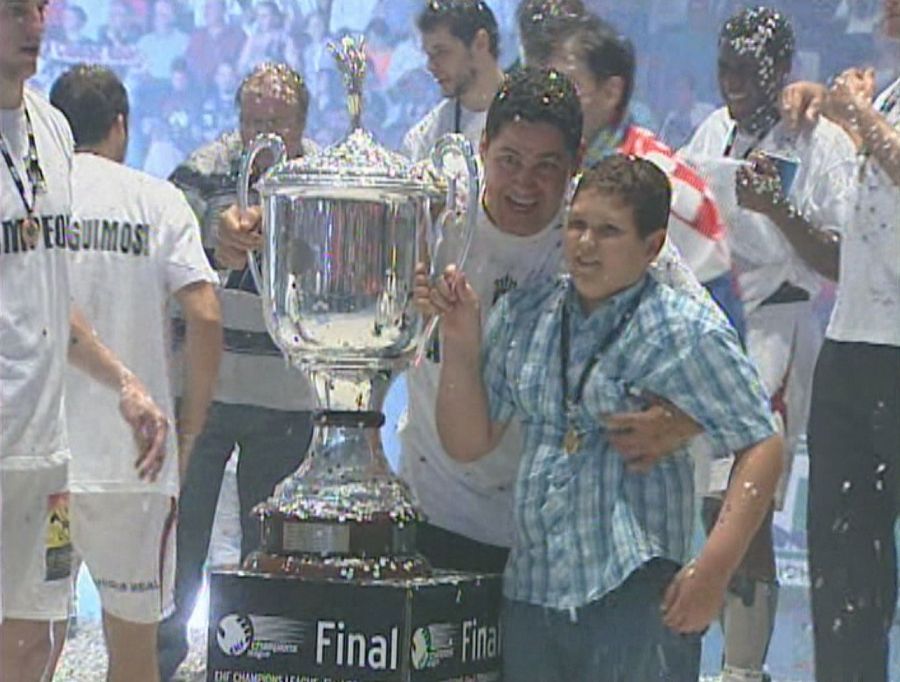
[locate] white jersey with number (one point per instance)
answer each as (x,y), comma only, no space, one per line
(135,242)
(822,191)
(421,138)
(476,499)
(34,292)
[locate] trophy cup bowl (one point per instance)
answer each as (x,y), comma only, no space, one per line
(342,233)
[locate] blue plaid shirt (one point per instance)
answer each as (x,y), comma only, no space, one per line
(582,522)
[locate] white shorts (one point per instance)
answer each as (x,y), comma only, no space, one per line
(36,562)
(127,542)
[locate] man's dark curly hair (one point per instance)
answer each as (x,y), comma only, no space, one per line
(537,96)
(543,23)
(91,97)
(761,32)
(638,183)
(463,19)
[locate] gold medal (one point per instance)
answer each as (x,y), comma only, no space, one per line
(31,232)
(571,441)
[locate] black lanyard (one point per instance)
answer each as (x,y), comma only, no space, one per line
(457,117)
(602,347)
(732,138)
(33,170)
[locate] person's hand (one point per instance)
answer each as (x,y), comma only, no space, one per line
(801,104)
(643,438)
(148,423)
(238,233)
(694,598)
(422,291)
(851,93)
(456,302)
(758,186)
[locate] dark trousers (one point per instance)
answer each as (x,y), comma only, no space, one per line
(620,638)
(454,552)
(273,444)
(854,467)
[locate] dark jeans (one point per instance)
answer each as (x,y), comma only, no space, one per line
(273,444)
(620,638)
(453,552)
(854,468)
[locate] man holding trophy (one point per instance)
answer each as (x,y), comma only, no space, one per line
(260,405)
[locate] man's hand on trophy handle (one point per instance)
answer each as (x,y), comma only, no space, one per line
(422,291)
(238,233)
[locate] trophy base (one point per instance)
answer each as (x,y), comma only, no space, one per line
(358,569)
(284,534)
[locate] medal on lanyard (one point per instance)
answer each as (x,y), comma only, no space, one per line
(572,439)
(31,226)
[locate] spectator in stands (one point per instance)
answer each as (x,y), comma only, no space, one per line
(162,45)
(681,122)
(379,48)
(120,30)
(74,20)
(269,41)
(215,43)
(315,55)
(217,113)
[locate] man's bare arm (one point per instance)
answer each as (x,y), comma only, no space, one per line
(203,352)
(149,424)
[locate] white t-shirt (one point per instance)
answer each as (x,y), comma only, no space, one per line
(868,296)
(34,293)
(476,499)
(421,138)
(134,243)
(822,191)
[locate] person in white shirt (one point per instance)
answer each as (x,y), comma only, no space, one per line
(39,332)
(261,404)
(783,232)
(461,41)
(134,246)
(854,423)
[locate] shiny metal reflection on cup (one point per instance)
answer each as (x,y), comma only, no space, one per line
(343,230)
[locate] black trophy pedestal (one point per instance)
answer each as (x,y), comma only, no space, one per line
(276,628)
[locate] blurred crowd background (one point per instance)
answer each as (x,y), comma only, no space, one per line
(183,59)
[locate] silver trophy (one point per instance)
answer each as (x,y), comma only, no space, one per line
(343,230)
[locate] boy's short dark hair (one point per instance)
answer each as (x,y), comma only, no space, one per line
(637,183)
(543,23)
(537,96)
(91,97)
(463,19)
(605,52)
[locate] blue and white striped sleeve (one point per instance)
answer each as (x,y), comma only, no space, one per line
(710,377)
(495,352)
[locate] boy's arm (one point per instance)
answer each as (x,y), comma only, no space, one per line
(694,598)
(463,413)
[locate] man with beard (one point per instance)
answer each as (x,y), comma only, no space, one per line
(783,232)
(39,333)
(461,40)
(259,405)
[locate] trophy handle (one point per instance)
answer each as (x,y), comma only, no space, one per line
(259,144)
(453,143)
(458,144)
